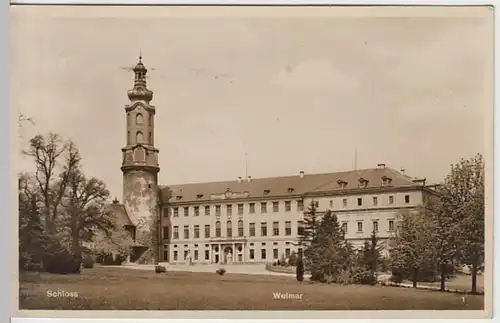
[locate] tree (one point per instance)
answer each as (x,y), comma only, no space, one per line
(310,226)
(83,211)
(411,250)
(327,250)
(299,271)
(463,197)
(371,256)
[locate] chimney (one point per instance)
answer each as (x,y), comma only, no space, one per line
(381,165)
(240,179)
(301,174)
(402,170)
(249,179)
(115,201)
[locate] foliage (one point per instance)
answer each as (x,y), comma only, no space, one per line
(160,269)
(147,235)
(292,260)
(87,262)
(411,251)
(310,225)
(58,260)
(299,270)
(370,260)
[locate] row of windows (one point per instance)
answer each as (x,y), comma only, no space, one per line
(252,231)
(263,254)
(275,206)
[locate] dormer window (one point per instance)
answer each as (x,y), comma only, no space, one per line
(266,192)
(199,196)
(178,197)
(386,180)
(290,190)
(341,183)
(363,182)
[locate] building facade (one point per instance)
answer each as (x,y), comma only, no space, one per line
(250,220)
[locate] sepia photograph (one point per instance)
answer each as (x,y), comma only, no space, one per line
(251,158)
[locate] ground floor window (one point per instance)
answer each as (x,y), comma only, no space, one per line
(165,255)
(287,252)
(196,255)
(275,254)
(263,254)
(207,254)
(175,255)
(252,254)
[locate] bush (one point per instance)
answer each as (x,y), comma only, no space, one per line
(395,278)
(58,260)
(107,259)
(299,271)
(220,271)
(292,260)
(160,269)
(88,262)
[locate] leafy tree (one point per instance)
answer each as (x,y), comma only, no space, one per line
(411,250)
(463,196)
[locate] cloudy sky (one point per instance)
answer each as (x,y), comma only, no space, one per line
(296,89)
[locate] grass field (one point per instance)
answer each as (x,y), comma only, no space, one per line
(104,288)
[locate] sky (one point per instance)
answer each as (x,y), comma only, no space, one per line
(294,90)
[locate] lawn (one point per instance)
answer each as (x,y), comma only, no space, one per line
(461,283)
(104,288)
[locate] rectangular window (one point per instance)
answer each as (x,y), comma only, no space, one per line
(176,255)
(375,226)
(185,254)
(240,229)
(252,230)
(300,205)
(331,204)
(176,212)
(166,212)
(217,230)
(276,206)
(288,206)
(288,228)
(263,207)
(391,199)
(407,199)
(240,209)
(360,226)
(229,209)
(344,227)
(207,210)
(252,254)
(229,229)
(176,232)
(344,203)
(287,253)
(360,201)
(197,231)
(263,254)
(196,255)
(217,210)
(207,255)
(207,230)
(186,232)
(275,253)
(276,228)
(251,208)
(263,229)
(196,211)
(186,211)
(166,232)
(391,225)
(375,201)
(300,228)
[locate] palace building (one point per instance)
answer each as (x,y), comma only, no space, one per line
(247,220)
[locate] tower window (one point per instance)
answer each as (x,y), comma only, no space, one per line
(139,137)
(150,139)
(139,119)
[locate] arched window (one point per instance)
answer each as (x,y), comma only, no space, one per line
(240,228)
(229,229)
(139,119)
(217,229)
(139,137)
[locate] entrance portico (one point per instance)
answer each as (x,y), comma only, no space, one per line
(227,251)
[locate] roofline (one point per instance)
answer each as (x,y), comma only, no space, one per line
(342,192)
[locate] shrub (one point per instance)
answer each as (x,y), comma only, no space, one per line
(395,278)
(88,262)
(299,271)
(160,269)
(58,260)
(220,271)
(292,260)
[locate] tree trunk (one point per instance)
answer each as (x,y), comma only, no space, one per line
(474,277)
(415,277)
(443,277)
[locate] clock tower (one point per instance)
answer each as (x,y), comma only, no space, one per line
(140,164)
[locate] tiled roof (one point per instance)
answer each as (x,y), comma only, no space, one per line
(286,185)
(120,213)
